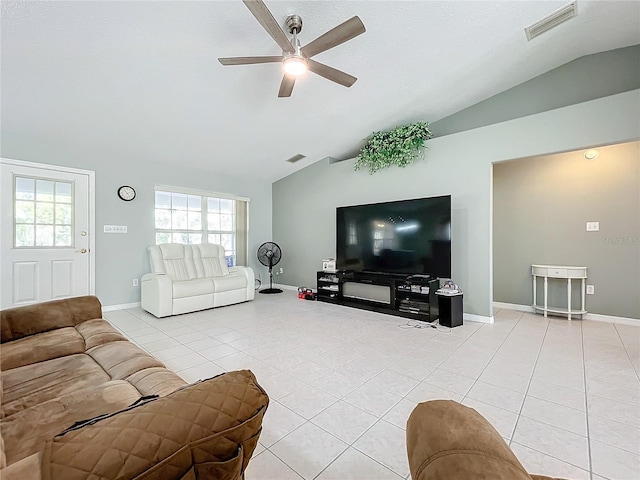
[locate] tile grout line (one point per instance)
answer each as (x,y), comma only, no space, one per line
(297,428)
(449,356)
(379,419)
(487,366)
(351,445)
(404,397)
(586,401)
(490,360)
(288,466)
(626,350)
(520,414)
(535,364)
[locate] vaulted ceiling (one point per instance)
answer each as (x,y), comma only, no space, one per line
(141,79)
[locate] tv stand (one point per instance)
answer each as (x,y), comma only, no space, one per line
(403,295)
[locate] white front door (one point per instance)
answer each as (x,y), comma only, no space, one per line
(46,233)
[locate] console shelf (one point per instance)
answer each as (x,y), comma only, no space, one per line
(408,296)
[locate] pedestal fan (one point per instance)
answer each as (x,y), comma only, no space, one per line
(269,254)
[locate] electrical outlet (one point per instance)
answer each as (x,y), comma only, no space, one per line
(135,282)
(591,290)
(281,270)
(593,226)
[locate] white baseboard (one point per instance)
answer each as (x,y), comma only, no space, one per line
(287,287)
(122,306)
(596,317)
(470,317)
(513,306)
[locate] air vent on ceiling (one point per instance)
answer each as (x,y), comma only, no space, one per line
(550,21)
(296,158)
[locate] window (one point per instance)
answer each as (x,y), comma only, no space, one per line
(189,217)
(353,233)
(43,213)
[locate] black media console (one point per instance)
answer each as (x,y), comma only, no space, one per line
(409,296)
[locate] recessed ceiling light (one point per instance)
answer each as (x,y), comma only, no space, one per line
(591,154)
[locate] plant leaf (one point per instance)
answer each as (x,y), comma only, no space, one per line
(400,146)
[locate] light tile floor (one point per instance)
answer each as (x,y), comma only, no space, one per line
(342,382)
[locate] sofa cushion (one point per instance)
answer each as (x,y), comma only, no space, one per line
(57,414)
(230,282)
(156,381)
(173,259)
(98,332)
(121,359)
(32,385)
(25,469)
(3,456)
(209,260)
(40,347)
(192,288)
(28,320)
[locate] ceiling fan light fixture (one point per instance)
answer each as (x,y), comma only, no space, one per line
(294,65)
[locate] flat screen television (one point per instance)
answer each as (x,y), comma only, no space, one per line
(407,236)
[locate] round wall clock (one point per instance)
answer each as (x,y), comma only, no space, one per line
(126,193)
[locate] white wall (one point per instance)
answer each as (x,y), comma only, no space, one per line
(122,257)
(459,164)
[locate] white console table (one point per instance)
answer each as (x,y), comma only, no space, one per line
(555,271)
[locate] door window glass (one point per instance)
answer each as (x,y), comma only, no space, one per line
(43,213)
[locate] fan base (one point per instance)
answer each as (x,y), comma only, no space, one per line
(270,290)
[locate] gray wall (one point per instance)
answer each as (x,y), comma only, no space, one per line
(586,78)
(123,257)
(540,209)
(459,164)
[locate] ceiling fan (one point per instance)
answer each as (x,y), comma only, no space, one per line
(296,60)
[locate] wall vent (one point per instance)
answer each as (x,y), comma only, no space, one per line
(296,158)
(551,21)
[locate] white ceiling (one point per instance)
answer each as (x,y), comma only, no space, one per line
(141,79)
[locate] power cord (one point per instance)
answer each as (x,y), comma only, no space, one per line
(258,282)
(420,324)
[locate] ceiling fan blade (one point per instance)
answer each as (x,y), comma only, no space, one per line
(340,34)
(265,18)
(249,60)
(331,73)
(286,87)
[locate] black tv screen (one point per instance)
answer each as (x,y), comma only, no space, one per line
(408,236)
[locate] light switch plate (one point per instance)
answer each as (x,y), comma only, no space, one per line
(593,226)
(115,229)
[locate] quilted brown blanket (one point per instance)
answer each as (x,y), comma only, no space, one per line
(207,430)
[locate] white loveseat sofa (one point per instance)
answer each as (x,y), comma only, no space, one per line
(187,278)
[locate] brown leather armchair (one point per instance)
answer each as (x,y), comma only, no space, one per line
(448,441)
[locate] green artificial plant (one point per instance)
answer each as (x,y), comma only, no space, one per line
(400,146)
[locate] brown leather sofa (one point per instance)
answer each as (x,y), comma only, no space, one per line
(62,363)
(449,441)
